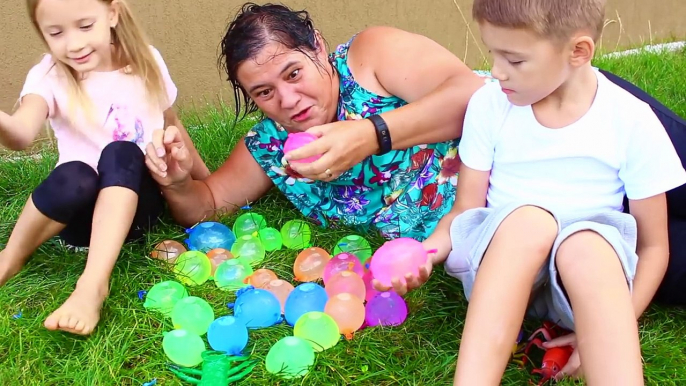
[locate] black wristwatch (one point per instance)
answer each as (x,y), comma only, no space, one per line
(383,135)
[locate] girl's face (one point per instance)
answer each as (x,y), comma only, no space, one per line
(79,32)
(288,87)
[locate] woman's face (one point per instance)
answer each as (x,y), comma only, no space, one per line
(289,87)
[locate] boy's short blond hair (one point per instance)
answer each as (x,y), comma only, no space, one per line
(548,18)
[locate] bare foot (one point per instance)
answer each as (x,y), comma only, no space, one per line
(9,266)
(80,313)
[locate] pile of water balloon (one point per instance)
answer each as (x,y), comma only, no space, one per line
(320,314)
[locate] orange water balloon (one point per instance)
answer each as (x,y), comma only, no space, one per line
(348,312)
(310,264)
(346,282)
(168,250)
(281,289)
(261,278)
(218,256)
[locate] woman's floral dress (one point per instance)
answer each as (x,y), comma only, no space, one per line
(403,193)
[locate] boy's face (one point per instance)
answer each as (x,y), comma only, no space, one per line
(528,67)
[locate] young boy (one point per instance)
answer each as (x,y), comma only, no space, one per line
(548,154)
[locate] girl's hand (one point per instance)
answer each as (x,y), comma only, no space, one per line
(341,144)
(573,367)
(411,282)
(168,158)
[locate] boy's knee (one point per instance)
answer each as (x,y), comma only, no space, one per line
(121,164)
(581,250)
(534,228)
(66,190)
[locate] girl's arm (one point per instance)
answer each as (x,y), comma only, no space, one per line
(436,84)
(19,130)
(200,170)
(652,248)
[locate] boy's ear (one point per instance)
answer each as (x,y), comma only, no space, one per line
(583,49)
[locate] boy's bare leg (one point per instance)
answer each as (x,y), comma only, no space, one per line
(114,212)
(501,293)
(604,317)
(31,230)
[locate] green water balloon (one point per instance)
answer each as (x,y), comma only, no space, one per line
(248,224)
(296,234)
(164,295)
(192,314)
(249,248)
(193,268)
(318,329)
(270,238)
(231,274)
(183,348)
(290,357)
(357,245)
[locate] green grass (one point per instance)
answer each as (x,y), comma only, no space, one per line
(126,347)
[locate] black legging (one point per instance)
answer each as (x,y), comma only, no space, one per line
(673,288)
(69,193)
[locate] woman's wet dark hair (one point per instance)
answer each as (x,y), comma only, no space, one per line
(252,29)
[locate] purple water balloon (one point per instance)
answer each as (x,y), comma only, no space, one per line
(385,309)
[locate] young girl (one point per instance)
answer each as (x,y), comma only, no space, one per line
(104,90)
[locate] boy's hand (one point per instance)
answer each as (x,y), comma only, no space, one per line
(411,282)
(573,367)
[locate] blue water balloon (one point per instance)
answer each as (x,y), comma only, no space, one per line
(304,298)
(257,308)
(210,235)
(227,334)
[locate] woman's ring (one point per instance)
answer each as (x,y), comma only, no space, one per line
(328,173)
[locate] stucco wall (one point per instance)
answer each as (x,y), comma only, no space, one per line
(188,32)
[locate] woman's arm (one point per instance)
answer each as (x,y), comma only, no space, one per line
(19,130)
(436,84)
(652,248)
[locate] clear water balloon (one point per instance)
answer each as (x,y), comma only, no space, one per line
(168,250)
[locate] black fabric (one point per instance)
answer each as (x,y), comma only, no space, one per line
(68,195)
(672,291)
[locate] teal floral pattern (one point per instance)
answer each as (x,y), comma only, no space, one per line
(403,193)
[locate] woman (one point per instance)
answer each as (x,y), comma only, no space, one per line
(386,107)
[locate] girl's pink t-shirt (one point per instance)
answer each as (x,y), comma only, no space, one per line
(120,109)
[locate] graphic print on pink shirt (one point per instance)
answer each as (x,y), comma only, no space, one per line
(128,127)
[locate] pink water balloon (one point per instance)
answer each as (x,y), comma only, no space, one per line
(385,309)
(345,282)
(296,140)
(343,261)
(397,258)
(368,286)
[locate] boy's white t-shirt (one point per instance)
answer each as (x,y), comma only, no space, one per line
(120,109)
(619,146)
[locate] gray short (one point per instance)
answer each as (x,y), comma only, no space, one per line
(472,231)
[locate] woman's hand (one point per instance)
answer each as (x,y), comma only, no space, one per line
(168,158)
(342,145)
(573,367)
